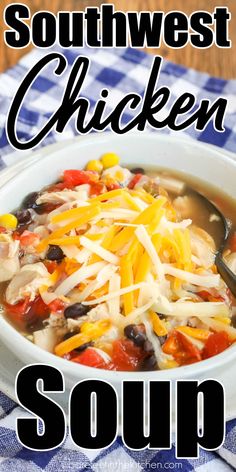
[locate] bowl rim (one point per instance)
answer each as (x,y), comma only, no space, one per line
(51,149)
(82,371)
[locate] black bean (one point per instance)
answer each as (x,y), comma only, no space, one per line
(80,348)
(30,200)
(149,363)
(68,336)
(43,208)
(83,347)
(137,170)
(233,321)
(148,347)
(162,339)
(136,334)
(23,217)
(76,310)
(54,253)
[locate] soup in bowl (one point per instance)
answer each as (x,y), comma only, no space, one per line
(109,262)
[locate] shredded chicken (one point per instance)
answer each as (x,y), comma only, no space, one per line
(9,257)
(48,338)
(202,246)
(26,282)
(64,196)
(121,174)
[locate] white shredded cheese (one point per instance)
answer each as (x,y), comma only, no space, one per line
(100,251)
(161,357)
(103,276)
(137,312)
(211,280)
(115,294)
(80,275)
(188,309)
(114,304)
(171,225)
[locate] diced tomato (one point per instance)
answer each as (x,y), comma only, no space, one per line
(27,238)
(112,186)
(204,294)
(135,180)
(216,343)
(56,305)
(126,356)
(17,313)
(191,350)
(51,266)
(74,177)
(171,345)
(232,243)
(20,307)
(2,229)
(96,188)
(58,187)
(27,313)
(91,358)
(183,351)
(16,236)
(39,308)
(210,297)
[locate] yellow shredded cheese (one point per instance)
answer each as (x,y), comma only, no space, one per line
(145,217)
(87,215)
(158,325)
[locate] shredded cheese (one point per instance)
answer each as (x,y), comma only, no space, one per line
(117,293)
(127,279)
(207,281)
(80,275)
(114,304)
(148,245)
(100,251)
(87,215)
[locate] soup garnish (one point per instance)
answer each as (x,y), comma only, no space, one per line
(113,268)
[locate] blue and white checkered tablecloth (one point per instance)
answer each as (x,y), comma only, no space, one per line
(122,71)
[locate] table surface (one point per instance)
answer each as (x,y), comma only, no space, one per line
(215,61)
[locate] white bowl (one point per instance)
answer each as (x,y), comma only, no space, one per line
(198,160)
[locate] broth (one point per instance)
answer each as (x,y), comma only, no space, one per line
(199,213)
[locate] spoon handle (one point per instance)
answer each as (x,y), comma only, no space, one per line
(227,275)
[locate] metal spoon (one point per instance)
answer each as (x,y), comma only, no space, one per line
(226,273)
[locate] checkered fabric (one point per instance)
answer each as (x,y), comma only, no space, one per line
(121,71)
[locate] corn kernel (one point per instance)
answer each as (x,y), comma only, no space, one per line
(8,221)
(169,364)
(109,159)
(95,165)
